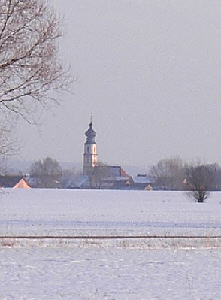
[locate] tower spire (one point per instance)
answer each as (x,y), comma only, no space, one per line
(91,119)
(90,150)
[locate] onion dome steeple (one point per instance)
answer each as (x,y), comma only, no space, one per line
(90,134)
(90,151)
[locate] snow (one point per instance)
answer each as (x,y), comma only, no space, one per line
(108,269)
(76,212)
(56,273)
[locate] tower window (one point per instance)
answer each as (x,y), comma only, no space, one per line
(87,149)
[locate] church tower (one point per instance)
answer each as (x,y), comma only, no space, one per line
(90,151)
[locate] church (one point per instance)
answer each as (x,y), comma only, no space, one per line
(90,151)
(103,176)
(97,175)
(100,175)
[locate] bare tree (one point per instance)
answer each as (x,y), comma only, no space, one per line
(199,180)
(29,68)
(99,174)
(46,173)
(168,174)
(8,144)
(216,171)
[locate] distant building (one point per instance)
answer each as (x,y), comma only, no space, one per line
(90,151)
(116,178)
(100,176)
(22,184)
(141,182)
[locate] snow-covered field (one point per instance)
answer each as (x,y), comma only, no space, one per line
(120,274)
(91,270)
(76,212)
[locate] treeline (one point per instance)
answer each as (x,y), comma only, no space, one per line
(48,173)
(172,174)
(176,174)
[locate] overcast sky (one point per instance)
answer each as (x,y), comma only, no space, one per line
(150,73)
